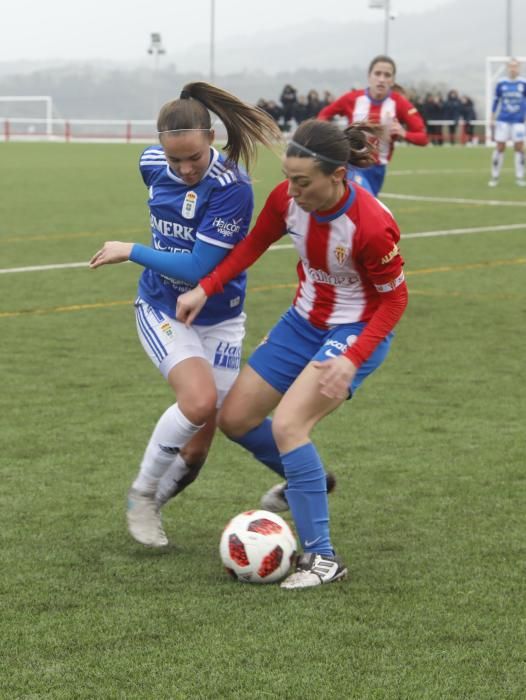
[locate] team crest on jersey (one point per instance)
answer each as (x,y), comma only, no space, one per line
(341,254)
(189,205)
(166,327)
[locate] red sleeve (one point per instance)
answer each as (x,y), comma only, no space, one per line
(340,107)
(409,117)
(379,256)
(385,318)
(269,227)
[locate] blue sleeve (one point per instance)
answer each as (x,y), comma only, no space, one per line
(228,215)
(496,98)
(152,160)
(188,266)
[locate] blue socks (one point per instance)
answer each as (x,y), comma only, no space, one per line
(307,485)
(307,498)
(260,442)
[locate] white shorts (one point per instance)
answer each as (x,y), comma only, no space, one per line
(505,131)
(168,342)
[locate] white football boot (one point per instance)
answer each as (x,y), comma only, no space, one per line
(315,570)
(144,519)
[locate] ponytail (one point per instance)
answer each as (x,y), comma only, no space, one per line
(331,147)
(363,140)
(246,125)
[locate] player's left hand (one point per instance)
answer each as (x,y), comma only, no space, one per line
(397,130)
(335,376)
(110,253)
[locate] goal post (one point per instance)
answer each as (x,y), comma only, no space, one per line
(495,70)
(46,101)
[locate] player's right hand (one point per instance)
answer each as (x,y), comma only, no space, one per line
(111,252)
(190,304)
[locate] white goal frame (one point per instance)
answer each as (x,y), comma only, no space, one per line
(495,69)
(47,100)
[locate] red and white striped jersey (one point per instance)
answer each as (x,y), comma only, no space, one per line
(348,255)
(358,106)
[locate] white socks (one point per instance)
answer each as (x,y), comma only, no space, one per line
(172,432)
(496,164)
(519,165)
(497,160)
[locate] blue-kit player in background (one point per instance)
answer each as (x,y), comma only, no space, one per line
(507,121)
(201,204)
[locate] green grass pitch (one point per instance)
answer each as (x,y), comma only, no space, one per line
(428,513)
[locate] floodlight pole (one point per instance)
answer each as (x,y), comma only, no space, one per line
(386,26)
(156,49)
(509,50)
(389,15)
(212,40)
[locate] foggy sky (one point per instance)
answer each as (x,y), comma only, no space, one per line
(120,29)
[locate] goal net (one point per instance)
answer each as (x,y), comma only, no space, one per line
(27,114)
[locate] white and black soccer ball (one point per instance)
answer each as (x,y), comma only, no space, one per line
(257,547)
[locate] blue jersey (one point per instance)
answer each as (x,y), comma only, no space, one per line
(360,176)
(217,210)
(509,104)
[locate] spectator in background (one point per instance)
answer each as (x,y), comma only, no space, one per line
(272,107)
(469,115)
(314,104)
(452,111)
(432,111)
(301,110)
(328,98)
(288,99)
(380,104)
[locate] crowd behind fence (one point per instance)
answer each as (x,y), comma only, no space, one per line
(451,119)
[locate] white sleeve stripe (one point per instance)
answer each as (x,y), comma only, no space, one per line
(213,241)
(219,166)
(223,175)
(390,285)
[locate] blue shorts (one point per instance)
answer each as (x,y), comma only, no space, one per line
(294,342)
(375,176)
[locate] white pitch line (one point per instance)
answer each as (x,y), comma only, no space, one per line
(441,171)
(443,232)
(429,171)
(41,268)
(452,200)
(290,246)
(462,231)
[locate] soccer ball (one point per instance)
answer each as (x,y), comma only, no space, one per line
(257,547)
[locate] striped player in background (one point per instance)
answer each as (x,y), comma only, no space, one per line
(380,104)
(508,113)
(351,294)
(200,204)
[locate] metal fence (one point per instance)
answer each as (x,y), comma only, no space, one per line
(145,131)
